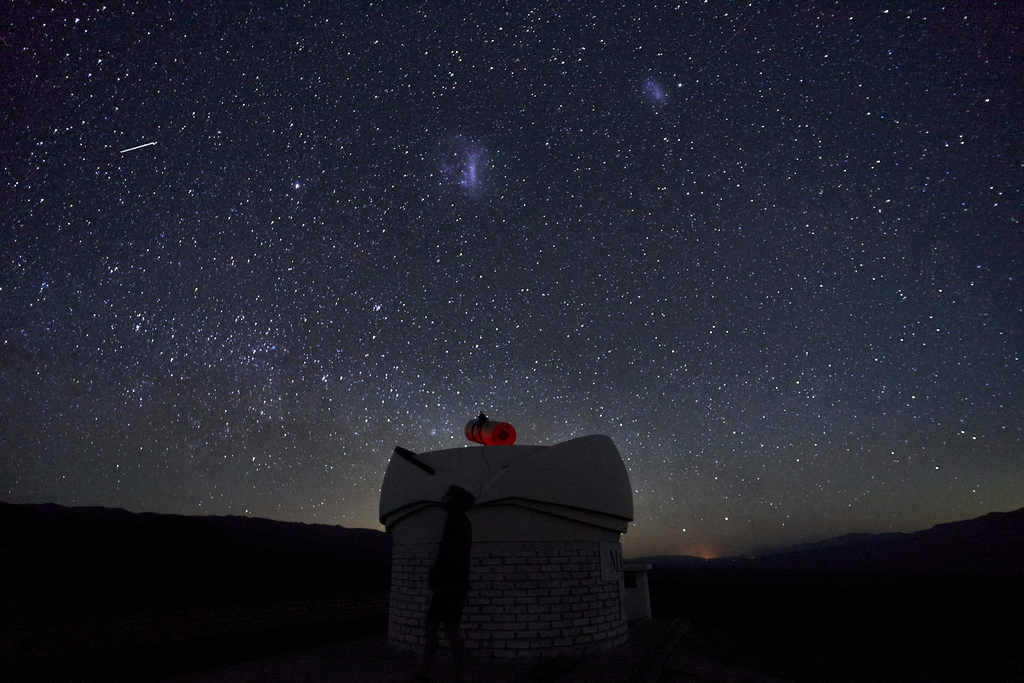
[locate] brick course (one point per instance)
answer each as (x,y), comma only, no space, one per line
(525,599)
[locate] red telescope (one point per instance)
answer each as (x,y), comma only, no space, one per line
(489,433)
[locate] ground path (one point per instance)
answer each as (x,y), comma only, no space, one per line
(657,652)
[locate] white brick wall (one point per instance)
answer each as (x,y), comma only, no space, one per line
(525,599)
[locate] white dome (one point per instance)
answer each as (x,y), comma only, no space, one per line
(582,481)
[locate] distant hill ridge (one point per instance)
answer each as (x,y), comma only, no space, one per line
(85,529)
(55,554)
(989,545)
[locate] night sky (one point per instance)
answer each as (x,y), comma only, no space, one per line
(774,250)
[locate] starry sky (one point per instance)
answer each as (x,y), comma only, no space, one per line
(773,249)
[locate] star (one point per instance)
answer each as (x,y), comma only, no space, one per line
(786,291)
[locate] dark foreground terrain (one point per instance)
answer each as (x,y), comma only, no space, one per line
(96,594)
(946,604)
(829,628)
(92,594)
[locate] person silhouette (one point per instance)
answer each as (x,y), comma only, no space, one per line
(449,581)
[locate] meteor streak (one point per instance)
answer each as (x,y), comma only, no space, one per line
(130,149)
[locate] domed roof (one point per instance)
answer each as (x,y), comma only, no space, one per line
(582,476)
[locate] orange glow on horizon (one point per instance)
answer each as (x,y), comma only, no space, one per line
(704,551)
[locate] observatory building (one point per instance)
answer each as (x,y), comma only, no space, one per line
(546,573)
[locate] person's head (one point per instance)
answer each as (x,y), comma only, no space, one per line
(457,499)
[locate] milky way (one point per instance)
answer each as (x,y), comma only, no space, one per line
(775,254)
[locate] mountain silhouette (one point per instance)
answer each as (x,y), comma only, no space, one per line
(55,553)
(991,545)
